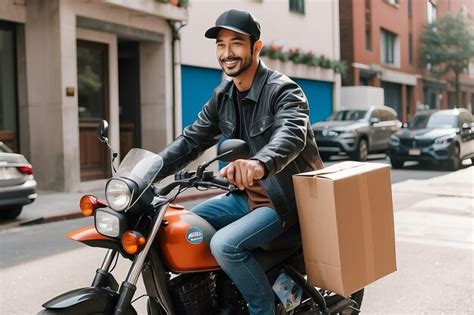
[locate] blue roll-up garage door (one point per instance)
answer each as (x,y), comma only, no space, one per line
(319,96)
(197,86)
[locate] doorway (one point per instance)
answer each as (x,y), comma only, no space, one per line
(129,95)
(92,70)
(9,130)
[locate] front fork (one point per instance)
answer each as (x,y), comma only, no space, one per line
(103,278)
(128,287)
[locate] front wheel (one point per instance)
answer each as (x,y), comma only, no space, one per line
(325,156)
(396,164)
(362,151)
(455,162)
(10,212)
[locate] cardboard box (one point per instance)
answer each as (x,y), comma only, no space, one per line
(346,218)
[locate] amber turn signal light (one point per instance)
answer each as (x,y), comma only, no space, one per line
(89,204)
(133,242)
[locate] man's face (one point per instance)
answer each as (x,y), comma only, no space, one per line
(233,52)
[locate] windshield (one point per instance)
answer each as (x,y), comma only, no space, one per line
(436,120)
(140,164)
(346,115)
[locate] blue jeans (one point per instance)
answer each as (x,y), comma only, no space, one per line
(238,232)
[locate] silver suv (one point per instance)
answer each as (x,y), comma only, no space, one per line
(356,132)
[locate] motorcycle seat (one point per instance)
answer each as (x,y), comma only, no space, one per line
(280,249)
(288,240)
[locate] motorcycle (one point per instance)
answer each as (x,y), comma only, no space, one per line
(169,248)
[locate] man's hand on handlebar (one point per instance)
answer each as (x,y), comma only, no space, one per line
(242,173)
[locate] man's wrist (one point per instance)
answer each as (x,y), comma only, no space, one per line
(265,171)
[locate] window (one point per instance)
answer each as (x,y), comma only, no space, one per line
(297,6)
(388,116)
(466,118)
(410,48)
(410,8)
(430,11)
(368,25)
(378,114)
(388,47)
(393,2)
(368,40)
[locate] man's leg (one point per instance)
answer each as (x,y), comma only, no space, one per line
(222,210)
(231,247)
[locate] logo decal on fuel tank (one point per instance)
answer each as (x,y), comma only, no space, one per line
(194,235)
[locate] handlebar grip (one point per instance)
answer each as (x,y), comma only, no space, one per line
(221,181)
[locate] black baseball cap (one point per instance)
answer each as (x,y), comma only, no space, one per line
(237,21)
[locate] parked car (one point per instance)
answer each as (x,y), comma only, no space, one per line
(17,184)
(356,132)
(441,136)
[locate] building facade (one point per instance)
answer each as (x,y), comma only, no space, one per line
(304,25)
(67,64)
(380,40)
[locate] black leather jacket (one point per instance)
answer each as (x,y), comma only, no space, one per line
(278,128)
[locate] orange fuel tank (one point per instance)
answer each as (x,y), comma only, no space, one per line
(184,241)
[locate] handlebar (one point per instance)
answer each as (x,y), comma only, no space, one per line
(208,181)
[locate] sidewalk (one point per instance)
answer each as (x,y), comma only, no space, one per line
(53,206)
(455,184)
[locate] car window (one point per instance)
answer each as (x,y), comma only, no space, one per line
(344,115)
(386,115)
(390,115)
(466,118)
(377,114)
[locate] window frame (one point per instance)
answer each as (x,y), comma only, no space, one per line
(297,6)
(389,47)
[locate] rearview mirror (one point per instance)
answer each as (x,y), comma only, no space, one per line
(103,131)
(233,149)
(374,120)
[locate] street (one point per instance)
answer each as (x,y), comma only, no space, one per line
(434,233)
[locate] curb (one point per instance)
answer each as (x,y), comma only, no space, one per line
(75,214)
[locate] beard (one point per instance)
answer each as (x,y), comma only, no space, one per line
(236,70)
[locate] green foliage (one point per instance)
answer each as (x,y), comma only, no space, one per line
(297,56)
(448,46)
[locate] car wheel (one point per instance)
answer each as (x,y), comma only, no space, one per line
(325,156)
(362,151)
(396,164)
(455,162)
(10,212)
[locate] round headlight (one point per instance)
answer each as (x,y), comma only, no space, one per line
(118,194)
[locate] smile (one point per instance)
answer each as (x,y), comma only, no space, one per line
(230,63)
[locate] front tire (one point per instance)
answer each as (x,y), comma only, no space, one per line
(396,164)
(325,156)
(455,162)
(362,151)
(10,212)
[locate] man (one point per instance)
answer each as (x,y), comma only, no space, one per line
(270,112)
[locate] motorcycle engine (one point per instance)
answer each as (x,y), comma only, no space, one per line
(193,293)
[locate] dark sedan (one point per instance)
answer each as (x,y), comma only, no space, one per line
(17,184)
(441,136)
